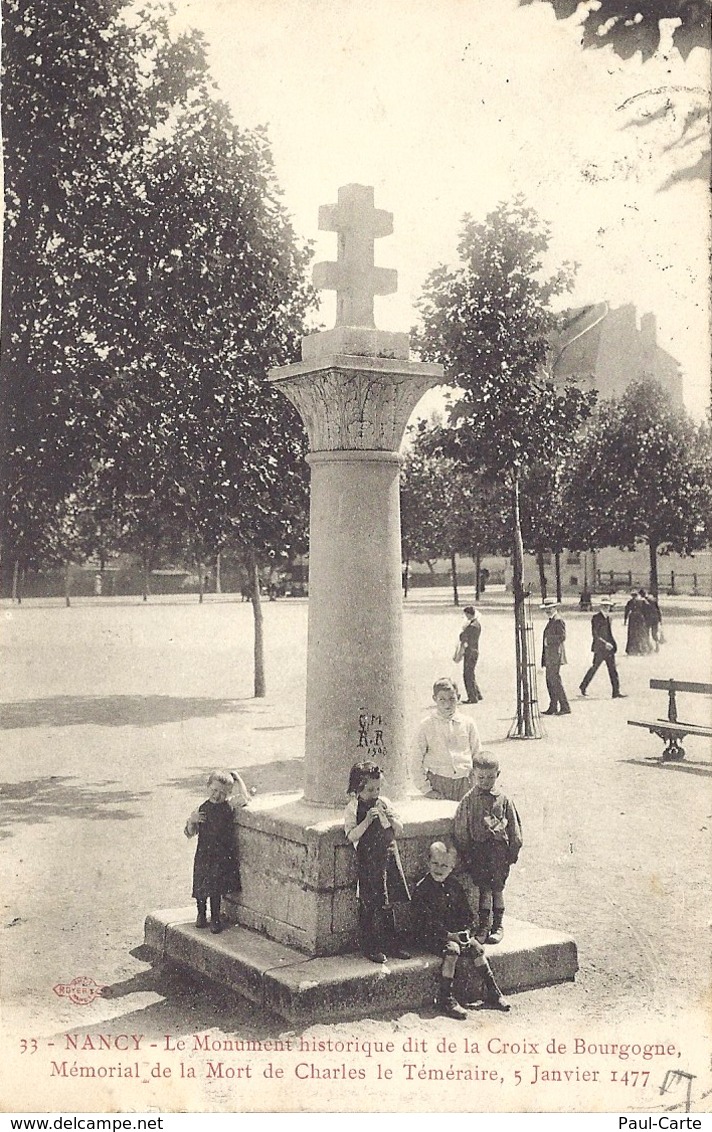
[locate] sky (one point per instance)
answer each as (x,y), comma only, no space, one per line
(448,107)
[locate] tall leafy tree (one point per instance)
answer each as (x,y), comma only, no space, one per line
(82,95)
(424,490)
(151,278)
(638,477)
(490,321)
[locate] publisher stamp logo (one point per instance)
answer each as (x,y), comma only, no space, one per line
(81,991)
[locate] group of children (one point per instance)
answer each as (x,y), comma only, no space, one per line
(487,839)
(456,907)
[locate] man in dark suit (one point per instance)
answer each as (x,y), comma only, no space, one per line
(552,657)
(604,649)
(470,639)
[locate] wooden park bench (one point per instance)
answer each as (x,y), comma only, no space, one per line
(671,730)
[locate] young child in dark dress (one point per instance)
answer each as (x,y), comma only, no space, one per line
(442,923)
(372,825)
(215,870)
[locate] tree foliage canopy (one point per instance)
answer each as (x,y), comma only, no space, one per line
(629,26)
(490,322)
(639,475)
(150,278)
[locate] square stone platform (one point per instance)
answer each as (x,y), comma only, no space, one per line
(304,989)
(298,871)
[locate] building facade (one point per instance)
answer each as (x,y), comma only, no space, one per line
(607,349)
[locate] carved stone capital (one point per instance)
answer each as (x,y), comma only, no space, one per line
(349,403)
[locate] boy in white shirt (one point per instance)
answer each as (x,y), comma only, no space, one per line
(445,747)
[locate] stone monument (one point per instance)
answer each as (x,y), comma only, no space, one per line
(355,389)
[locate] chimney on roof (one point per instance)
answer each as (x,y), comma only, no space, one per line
(648,331)
(648,343)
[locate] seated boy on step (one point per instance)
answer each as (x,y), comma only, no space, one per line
(442,923)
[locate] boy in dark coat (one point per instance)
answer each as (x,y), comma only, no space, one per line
(488,836)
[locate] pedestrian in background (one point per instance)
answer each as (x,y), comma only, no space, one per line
(469,652)
(553,656)
(604,649)
(636,618)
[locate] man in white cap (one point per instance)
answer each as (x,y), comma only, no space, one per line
(552,657)
(604,649)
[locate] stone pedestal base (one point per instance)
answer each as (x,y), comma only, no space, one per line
(297,916)
(303,990)
(356,341)
(299,871)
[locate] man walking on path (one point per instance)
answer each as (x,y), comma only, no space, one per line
(604,649)
(552,657)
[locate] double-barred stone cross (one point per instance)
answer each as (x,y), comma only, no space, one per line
(354,277)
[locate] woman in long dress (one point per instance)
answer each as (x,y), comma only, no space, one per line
(638,642)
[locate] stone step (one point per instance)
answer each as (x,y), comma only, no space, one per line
(303,990)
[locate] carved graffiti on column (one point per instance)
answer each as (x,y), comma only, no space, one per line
(345,410)
(363,730)
(370,735)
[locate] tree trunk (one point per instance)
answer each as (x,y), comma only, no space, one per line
(653,551)
(218,579)
(542,573)
(67,583)
(453,568)
(20,584)
(15,580)
(145,579)
(557,566)
(200,582)
(406,577)
(477,559)
(525,727)
(259,651)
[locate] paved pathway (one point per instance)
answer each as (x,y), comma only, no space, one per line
(113,713)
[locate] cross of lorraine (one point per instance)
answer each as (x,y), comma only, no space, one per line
(356,279)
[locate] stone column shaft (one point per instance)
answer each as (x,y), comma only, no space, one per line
(355,707)
(355,409)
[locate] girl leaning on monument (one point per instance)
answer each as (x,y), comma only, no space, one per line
(371,825)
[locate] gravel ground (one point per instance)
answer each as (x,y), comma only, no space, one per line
(113,711)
